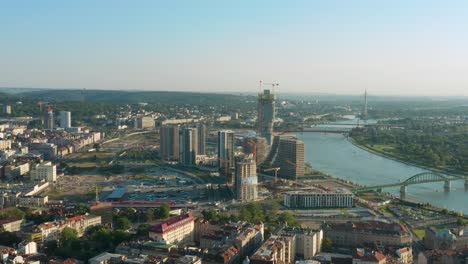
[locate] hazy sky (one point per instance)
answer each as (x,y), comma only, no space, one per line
(388,47)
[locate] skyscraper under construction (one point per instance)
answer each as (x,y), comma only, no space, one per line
(266,112)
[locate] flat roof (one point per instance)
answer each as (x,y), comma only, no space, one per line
(117,193)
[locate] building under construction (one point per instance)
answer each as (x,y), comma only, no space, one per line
(266,111)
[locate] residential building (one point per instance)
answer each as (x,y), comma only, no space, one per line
(169,142)
(188,146)
(275,250)
(318,198)
(455,238)
(225,151)
(246,180)
(6,109)
(49,119)
(354,234)
(65,119)
(143,122)
(188,259)
(175,230)
(308,242)
(5,144)
(266,114)
(44,171)
(11,224)
(107,258)
(51,230)
(405,255)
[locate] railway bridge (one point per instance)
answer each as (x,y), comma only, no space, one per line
(420,178)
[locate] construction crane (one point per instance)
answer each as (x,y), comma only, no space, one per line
(276,169)
(274,86)
(295,174)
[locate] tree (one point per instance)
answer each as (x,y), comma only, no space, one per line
(82,209)
(143,230)
(149,215)
(123,223)
(327,244)
(12,212)
(8,239)
(68,235)
(163,211)
(287,218)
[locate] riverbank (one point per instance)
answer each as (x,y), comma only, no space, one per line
(400,159)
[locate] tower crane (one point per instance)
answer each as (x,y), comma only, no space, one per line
(276,169)
(274,85)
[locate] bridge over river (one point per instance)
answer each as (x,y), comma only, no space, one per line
(420,178)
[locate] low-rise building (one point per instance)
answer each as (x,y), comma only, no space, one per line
(44,171)
(354,234)
(175,230)
(11,224)
(275,250)
(319,198)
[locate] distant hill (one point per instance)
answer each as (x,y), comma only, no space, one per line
(163,97)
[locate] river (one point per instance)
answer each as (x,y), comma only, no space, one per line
(335,155)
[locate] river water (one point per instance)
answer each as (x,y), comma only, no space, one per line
(335,155)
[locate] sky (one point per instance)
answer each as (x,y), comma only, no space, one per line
(397,47)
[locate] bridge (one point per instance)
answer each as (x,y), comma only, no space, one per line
(299,130)
(420,178)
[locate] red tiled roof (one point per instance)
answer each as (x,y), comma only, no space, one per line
(173,223)
(9,220)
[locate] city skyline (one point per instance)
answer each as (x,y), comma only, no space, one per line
(397,48)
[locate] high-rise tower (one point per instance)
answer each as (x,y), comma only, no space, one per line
(246,180)
(169,142)
(50,122)
(225,151)
(364,110)
(266,111)
(65,119)
(188,146)
(201,130)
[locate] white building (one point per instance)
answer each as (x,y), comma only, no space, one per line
(5,144)
(44,171)
(318,198)
(174,230)
(65,119)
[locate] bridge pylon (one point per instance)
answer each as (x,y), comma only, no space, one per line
(447,186)
(403,190)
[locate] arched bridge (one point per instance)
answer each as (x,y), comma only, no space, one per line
(425,177)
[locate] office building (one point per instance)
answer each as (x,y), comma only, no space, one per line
(175,230)
(266,114)
(144,122)
(169,142)
(287,152)
(65,119)
(246,180)
(201,130)
(225,151)
(44,171)
(5,144)
(257,146)
(188,146)
(318,198)
(50,122)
